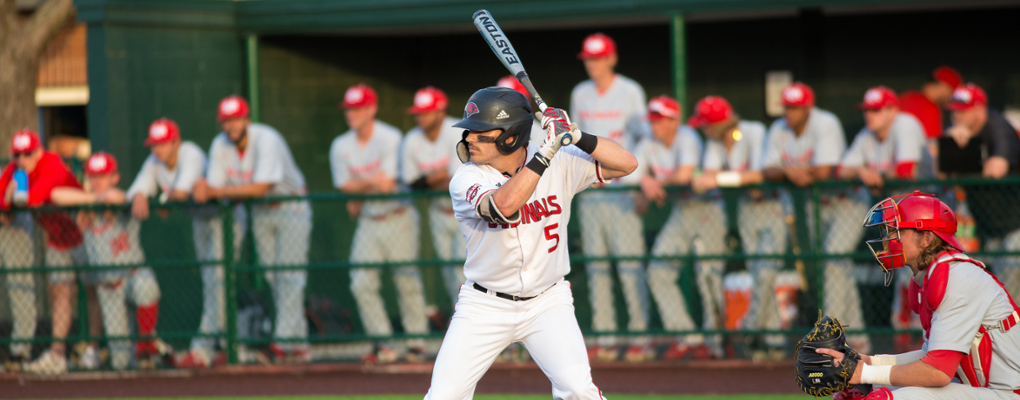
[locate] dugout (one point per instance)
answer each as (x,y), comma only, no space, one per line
(294,59)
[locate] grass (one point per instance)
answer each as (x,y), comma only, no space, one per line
(505,397)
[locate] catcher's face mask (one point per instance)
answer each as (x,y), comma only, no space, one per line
(887,249)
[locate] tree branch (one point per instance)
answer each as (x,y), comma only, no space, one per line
(46,22)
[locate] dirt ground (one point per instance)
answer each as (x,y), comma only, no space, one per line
(650,378)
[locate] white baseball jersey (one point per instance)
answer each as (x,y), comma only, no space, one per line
(421,157)
(114,240)
(266,159)
(660,162)
(618,113)
(350,160)
(972,299)
(745,155)
(530,256)
(155,177)
(905,143)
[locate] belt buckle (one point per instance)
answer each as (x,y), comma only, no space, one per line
(516,298)
(1002,328)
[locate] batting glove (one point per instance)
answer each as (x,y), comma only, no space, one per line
(557,126)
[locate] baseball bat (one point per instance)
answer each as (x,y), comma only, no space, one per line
(791,224)
(506,54)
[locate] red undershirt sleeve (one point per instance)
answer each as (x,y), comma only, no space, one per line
(905,170)
(946,361)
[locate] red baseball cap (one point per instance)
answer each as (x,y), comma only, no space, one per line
(428,99)
(100,163)
(359,95)
(597,45)
(798,95)
(663,107)
(967,96)
(24,141)
(947,75)
(879,97)
(710,110)
(162,130)
(233,107)
(510,82)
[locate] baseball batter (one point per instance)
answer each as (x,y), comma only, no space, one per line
(803,147)
(428,161)
(112,238)
(364,160)
(890,146)
(611,105)
(45,171)
(170,172)
(972,347)
(513,201)
(697,224)
(250,160)
(733,158)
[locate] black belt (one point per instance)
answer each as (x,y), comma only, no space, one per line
(482,289)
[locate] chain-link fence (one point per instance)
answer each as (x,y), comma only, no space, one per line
(736,272)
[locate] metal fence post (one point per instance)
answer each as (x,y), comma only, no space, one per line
(229,280)
(819,251)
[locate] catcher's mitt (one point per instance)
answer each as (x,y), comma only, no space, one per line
(818,374)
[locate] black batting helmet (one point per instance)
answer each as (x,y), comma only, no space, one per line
(497,108)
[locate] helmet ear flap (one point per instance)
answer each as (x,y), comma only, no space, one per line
(462,148)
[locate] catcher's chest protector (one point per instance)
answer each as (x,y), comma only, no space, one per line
(975,367)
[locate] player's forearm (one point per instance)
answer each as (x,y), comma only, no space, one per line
(847,173)
(751,178)
(821,173)
(510,197)
(616,161)
(241,192)
(355,186)
(178,195)
(918,373)
(996,167)
(68,196)
(774,174)
(682,176)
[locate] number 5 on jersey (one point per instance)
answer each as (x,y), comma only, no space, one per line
(549,235)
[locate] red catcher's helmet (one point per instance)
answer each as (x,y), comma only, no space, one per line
(920,211)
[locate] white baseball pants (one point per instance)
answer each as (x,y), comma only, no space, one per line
(763,231)
(392,238)
(282,233)
(952,391)
(609,227)
(208,236)
(448,240)
(16,253)
(483,325)
(113,289)
(703,225)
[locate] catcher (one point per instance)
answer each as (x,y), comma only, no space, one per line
(971,349)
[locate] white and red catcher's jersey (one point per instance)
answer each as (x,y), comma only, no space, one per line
(266,159)
(526,258)
(618,113)
(155,177)
(421,157)
(113,240)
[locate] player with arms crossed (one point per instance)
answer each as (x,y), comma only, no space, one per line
(112,238)
(513,202)
(968,317)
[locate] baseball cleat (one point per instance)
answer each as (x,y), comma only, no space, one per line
(194,359)
(49,363)
(637,353)
(603,354)
(681,351)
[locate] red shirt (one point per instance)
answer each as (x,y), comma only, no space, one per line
(930,115)
(49,173)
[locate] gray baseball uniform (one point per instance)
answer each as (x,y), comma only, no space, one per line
(761,223)
(421,157)
(155,179)
(696,220)
(822,144)
(281,229)
(387,231)
(609,224)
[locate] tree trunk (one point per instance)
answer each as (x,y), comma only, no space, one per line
(21,45)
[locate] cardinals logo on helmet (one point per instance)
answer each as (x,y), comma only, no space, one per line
(470,109)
